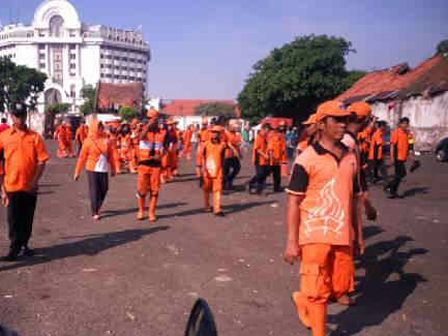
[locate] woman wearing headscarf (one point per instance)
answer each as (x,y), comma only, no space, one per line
(99,157)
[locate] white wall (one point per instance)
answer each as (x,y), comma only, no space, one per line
(90,60)
(428,118)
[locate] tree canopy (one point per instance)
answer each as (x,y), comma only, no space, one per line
(88,92)
(215,109)
(292,80)
(128,113)
(442,47)
(19,83)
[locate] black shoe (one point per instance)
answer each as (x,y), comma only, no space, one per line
(28,252)
(219,214)
(278,190)
(392,196)
(12,256)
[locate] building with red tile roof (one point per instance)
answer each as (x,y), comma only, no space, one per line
(421,94)
(187,107)
(113,96)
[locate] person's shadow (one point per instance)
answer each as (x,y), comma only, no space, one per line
(379,297)
(91,245)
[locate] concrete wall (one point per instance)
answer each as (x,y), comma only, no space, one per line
(428,117)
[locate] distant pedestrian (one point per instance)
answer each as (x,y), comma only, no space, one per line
(399,151)
(98,155)
(23,156)
(376,152)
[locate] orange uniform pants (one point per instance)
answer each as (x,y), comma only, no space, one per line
(212,184)
(326,270)
(148,180)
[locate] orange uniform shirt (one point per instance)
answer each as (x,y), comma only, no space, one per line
(376,146)
(261,145)
(22,152)
(211,159)
(235,140)
(400,141)
(329,186)
(276,148)
(81,133)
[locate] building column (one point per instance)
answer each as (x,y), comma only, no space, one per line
(78,60)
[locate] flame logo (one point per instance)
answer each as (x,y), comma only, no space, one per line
(329,214)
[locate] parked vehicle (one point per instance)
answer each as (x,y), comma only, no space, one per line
(441,150)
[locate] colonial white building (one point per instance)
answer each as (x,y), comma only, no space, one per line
(74,54)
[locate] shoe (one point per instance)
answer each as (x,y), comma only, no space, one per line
(28,252)
(300,303)
(278,190)
(392,196)
(219,214)
(96,217)
(12,256)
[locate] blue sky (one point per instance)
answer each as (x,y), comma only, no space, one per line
(205,49)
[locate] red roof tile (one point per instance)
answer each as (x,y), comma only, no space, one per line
(392,82)
(187,107)
(112,95)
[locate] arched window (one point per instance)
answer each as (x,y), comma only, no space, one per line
(56,23)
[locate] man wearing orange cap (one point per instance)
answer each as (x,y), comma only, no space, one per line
(169,160)
(276,150)
(125,146)
(187,142)
(135,140)
(210,167)
(152,146)
(60,134)
(232,165)
(260,159)
(322,196)
(376,152)
(69,139)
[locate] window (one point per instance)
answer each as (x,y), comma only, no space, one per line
(56,23)
(41,56)
(72,56)
(41,46)
(72,66)
(72,47)
(42,65)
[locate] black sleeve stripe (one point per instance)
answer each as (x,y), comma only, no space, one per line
(299,180)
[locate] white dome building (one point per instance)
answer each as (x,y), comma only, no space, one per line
(73,54)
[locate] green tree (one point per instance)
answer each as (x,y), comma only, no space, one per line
(352,77)
(88,92)
(50,115)
(19,83)
(128,113)
(295,78)
(215,109)
(442,47)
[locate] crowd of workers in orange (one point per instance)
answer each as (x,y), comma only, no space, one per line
(327,192)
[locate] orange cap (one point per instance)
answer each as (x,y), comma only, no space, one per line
(331,108)
(361,109)
(282,123)
(311,120)
(152,113)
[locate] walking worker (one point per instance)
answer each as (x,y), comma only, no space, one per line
(376,152)
(60,134)
(210,167)
(153,145)
(260,159)
(23,157)
(276,150)
(399,151)
(187,142)
(99,157)
(69,139)
(322,196)
(81,135)
(232,165)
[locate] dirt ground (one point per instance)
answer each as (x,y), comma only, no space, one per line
(119,276)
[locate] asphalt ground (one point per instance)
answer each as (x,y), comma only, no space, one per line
(120,276)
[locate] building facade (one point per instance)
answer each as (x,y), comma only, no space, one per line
(74,54)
